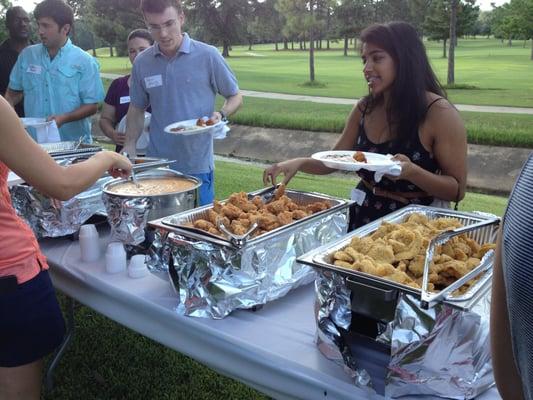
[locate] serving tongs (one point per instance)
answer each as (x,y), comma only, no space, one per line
(268,194)
(428,298)
(148,165)
(236,240)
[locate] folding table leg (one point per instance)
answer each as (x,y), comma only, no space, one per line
(49,384)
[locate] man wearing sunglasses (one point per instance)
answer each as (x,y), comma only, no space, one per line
(180,78)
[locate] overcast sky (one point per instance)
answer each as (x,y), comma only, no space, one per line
(29,5)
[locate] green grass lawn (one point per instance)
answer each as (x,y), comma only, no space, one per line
(108,361)
(501,75)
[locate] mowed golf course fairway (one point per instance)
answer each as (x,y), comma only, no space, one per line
(499,74)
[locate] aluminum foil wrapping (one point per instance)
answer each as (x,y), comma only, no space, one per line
(440,352)
(213,279)
(54,218)
(127,217)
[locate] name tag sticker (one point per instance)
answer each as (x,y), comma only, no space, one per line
(153,81)
(124,99)
(358,196)
(34,69)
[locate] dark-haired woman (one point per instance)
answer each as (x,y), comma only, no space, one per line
(117,99)
(405,114)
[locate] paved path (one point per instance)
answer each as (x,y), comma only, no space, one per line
(338,100)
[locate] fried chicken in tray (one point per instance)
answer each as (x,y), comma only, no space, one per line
(239,213)
(397,252)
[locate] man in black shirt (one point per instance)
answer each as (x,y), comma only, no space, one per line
(18,25)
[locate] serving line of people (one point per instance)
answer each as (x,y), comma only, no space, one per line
(405,114)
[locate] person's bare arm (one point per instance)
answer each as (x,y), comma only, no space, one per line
(13,97)
(107,124)
(83,111)
(448,136)
(230,106)
(28,160)
(309,165)
(134,128)
(505,373)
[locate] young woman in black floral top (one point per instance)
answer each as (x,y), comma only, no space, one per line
(406,114)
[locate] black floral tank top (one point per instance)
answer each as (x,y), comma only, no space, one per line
(374,206)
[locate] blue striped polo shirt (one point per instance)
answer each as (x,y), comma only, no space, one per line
(182,87)
(517,260)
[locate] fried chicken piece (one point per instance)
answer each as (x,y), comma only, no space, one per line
(411,241)
(343,264)
(472,263)
(299,214)
(217,206)
(203,224)
(231,211)
(318,206)
(285,218)
(384,230)
(445,224)
(280,191)
(215,231)
(381,252)
(276,206)
(343,256)
(361,245)
(256,201)
(212,216)
(266,220)
(237,228)
(359,156)
(484,248)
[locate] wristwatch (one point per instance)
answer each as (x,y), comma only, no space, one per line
(223,114)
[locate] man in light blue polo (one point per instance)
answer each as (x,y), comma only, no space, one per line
(58,80)
(179,78)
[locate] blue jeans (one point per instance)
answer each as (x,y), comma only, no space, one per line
(207,190)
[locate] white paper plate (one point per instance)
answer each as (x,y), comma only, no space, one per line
(34,122)
(190,127)
(341,159)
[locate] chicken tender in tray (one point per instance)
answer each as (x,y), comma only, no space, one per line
(239,213)
(397,252)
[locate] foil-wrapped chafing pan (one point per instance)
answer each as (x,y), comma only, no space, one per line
(69,148)
(479,226)
(178,222)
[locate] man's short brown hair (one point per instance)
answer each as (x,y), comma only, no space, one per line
(158,6)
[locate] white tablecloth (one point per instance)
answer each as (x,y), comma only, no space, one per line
(271,349)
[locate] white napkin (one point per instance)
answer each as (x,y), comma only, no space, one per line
(144,140)
(394,170)
(220,131)
(47,133)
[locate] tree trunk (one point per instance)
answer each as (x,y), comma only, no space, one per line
(355,45)
(510,42)
(94,51)
(225,49)
(311,57)
(292,44)
(453,39)
(531,48)
(327,44)
(111,51)
(249,46)
(286,44)
(444,48)
(277,46)
(345,46)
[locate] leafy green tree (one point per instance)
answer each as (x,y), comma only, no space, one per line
(219,22)
(352,16)
(4,5)
(267,23)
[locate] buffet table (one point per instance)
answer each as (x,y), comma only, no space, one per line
(271,349)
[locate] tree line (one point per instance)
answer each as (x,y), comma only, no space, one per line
(307,25)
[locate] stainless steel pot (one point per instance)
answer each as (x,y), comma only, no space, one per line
(163,204)
(128,214)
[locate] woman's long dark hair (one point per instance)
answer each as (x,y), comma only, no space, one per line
(407,106)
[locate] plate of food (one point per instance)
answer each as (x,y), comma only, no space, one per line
(355,160)
(192,126)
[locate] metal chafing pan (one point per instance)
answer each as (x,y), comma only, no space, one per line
(378,295)
(69,149)
(177,223)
